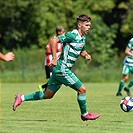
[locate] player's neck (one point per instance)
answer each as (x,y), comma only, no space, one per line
(80,32)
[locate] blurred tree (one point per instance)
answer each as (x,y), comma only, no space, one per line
(127,24)
(119,14)
(18,26)
(30,23)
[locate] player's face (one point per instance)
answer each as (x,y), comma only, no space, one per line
(85,27)
(61,32)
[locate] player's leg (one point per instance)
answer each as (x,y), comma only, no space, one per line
(130,84)
(125,73)
(39,95)
(127,88)
(72,81)
(121,85)
(48,74)
(81,98)
(53,87)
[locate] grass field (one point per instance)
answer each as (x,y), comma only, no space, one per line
(61,114)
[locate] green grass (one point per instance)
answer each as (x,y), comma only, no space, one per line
(61,114)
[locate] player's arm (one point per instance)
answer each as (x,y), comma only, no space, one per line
(85,55)
(53,44)
(128,52)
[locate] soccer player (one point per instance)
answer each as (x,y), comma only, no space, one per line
(7,57)
(48,55)
(127,69)
(73,46)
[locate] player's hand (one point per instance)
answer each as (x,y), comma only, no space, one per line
(88,57)
(53,63)
(9,56)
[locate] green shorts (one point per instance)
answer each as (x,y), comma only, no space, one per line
(127,70)
(66,77)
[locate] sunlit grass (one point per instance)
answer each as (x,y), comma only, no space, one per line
(61,114)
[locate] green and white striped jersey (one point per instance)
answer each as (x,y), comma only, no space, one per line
(129,59)
(73,44)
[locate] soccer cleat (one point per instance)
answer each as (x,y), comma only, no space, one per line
(40,88)
(118,94)
(89,116)
(17,101)
(128,91)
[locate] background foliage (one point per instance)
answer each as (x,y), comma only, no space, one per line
(27,25)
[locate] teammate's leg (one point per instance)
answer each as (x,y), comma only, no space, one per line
(125,73)
(121,85)
(127,88)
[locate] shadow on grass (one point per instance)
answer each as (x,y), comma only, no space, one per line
(118,121)
(25,120)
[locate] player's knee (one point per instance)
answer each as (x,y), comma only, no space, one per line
(82,90)
(125,78)
(48,94)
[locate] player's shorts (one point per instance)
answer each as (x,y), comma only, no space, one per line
(127,70)
(65,77)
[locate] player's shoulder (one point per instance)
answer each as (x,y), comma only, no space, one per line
(131,41)
(52,38)
(72,33)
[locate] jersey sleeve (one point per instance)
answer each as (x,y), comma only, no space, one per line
(84,47)
(130,44)
(66,38)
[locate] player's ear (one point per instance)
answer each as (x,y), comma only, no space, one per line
(79,25)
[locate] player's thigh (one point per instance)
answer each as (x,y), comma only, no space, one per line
(53,84)
(68,78)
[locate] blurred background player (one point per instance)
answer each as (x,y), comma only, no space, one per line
(127,69)
(7,57)
(48,56)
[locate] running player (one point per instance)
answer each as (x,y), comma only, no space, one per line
(73,46)
(127,69)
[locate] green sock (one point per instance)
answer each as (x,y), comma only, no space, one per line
(34,96)
(121,85)
(130,84)
(81,98)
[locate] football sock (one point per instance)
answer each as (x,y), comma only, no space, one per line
(130,84)
(121,85)
(34,96)
(81,98)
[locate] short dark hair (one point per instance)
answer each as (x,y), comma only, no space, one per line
(83,18)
